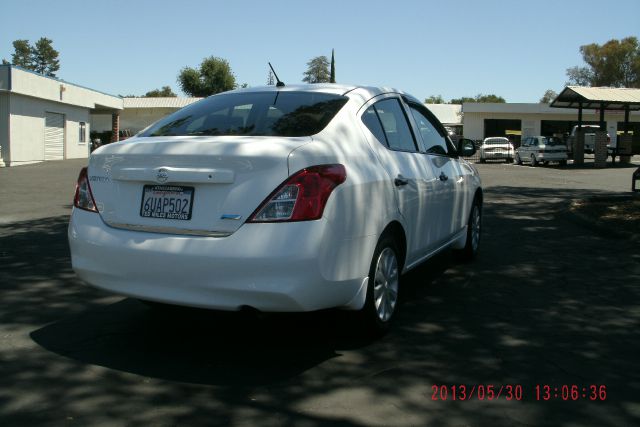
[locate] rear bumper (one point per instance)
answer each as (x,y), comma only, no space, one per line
(496,155)
(270,267)
(551,157)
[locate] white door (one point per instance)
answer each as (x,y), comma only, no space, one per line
(53,136)
(448,186)
(387,122)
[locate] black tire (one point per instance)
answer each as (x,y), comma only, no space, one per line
(518,160)
(382,291)
(534,162)
(509,160)
(563,163)
(474,232)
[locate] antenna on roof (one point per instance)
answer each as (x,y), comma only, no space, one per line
(279,83)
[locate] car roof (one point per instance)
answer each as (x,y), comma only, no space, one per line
(333,88)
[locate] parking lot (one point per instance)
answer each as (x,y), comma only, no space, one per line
(549,301)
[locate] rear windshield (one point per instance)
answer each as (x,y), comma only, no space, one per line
(253,113)
(552,140)
(496,141)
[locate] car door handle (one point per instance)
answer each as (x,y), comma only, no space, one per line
(443,177)
(400,181)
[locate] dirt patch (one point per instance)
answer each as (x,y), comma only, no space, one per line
(619,215)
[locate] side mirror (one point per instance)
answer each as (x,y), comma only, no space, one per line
(466,147)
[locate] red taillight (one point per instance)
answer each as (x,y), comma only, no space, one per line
(302,197)
(84,198)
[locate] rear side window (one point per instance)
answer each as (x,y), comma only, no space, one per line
(256,114)
(387,121)
(372,122)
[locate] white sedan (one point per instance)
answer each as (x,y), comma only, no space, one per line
(294,198)
(496,148)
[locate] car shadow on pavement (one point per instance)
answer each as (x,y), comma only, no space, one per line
(547,302)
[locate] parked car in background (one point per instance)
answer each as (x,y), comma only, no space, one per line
(541,149)
(293,198)
(496,148)
(589,138)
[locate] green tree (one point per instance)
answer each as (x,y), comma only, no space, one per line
(579,76)
(462,100)
(165,92)
(490,98)
(45,57)
(41,58)
(479,98)
(616,63)
(434,99)
(332,77)
(548,96)
(317,70)
(22,55)
(213,76)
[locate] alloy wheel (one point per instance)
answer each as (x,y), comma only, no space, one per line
(475,228)
(385,285)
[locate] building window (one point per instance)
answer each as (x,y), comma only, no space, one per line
(83,132)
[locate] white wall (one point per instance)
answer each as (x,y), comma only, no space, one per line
(101,122)
(532,122)
(4,127)
(31,84)
(26,133)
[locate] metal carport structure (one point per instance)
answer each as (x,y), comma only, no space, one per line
(602,99)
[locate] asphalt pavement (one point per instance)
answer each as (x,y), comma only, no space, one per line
(549,302)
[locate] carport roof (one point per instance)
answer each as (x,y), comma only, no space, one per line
(598,97)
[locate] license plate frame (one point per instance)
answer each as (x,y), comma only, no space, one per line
(156,202)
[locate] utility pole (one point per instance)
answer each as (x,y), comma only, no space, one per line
(332,78)
(270,79)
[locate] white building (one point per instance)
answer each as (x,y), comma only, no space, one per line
(482,120)
(449,115)
(43,118)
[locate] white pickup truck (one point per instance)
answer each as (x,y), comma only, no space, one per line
(589,138)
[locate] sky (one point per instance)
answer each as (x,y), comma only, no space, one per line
(514,49)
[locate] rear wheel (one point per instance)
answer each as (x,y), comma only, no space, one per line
(382,290)
(474,229)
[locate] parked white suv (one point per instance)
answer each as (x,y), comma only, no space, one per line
(542,149)
(291,198)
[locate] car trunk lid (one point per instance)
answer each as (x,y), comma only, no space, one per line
(187,185)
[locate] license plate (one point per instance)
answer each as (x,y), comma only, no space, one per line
(167,202)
